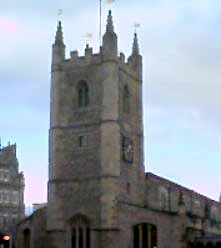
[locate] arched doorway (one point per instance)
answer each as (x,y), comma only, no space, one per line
(218,244)
(80,232)
(209,245)
(27,238)
(144,235)
(199,245)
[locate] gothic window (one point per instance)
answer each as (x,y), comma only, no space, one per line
(4,175)
(164,198)
(126,100)
(83,94)
(80,232)
(82,140)
(6,196)
(128,188)
(145,235)
(15,197)
(27,238)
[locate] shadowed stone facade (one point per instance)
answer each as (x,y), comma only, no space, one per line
(99,195)
(11,190)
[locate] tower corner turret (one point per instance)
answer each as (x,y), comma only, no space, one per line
(110,46)
(135,60)
(58,48)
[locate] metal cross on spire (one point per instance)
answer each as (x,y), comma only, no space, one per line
(60,14)
(136,26)
(110,2)
(88,38)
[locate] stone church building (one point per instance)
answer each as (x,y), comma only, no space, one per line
(99,195)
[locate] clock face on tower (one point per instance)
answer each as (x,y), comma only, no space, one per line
(127,150)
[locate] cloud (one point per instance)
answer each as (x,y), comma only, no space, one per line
(180,43)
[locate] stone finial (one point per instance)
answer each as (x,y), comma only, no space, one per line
(88,51)
(135,59)
(59,35)
(58,52)
(135,50)
(110,26)
(110,46)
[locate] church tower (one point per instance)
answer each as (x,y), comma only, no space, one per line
(95,142)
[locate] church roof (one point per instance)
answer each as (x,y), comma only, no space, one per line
(177,187)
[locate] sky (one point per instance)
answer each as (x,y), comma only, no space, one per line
(180,43)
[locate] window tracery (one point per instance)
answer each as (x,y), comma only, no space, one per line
(145,235)
(80,232)
(83,94)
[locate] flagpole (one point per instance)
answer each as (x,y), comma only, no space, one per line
(100,21)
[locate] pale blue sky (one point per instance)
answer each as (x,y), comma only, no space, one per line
(180,42)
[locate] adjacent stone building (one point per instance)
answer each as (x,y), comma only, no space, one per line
(11,190)
(99,195)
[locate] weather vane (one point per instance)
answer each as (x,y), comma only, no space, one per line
(136,26)
(110,2)
(88,37)
(60,13)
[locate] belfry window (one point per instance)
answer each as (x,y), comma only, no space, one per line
(126,100)
(83,94)
(145,235)
(80,233)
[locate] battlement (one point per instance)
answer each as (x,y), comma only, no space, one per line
(108,52)
(90,58)
(87,59)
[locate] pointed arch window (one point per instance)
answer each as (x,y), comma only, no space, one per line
(80,232)
(126,100)
(27,238)
(144,235)
(83,94)
(164,198)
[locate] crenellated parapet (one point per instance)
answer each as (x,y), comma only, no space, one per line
(108,53)
(76,61)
